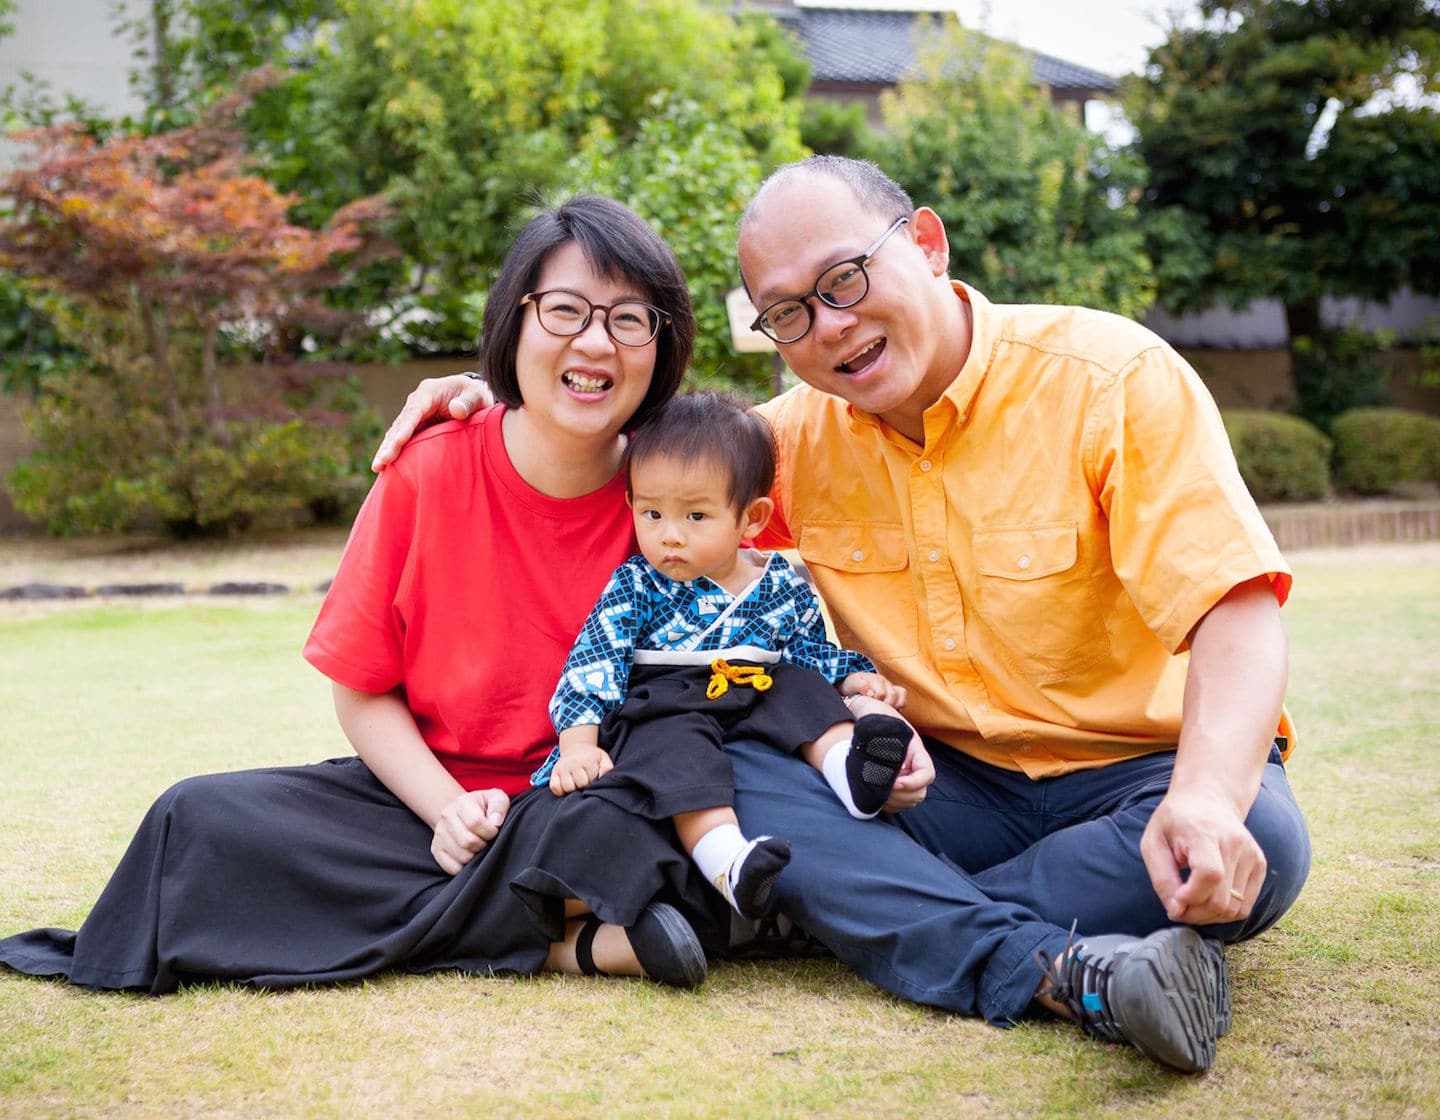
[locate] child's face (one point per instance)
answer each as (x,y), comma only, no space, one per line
(683,517)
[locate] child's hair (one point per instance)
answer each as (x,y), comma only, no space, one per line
(714,428)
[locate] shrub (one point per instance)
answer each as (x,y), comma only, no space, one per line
(111,458)
(1281,458)
(1382,450)
(160,259)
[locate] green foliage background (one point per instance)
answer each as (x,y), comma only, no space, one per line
(1292,155)
(467,115)
(1038,209)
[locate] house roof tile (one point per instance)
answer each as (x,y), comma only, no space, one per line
(860,45)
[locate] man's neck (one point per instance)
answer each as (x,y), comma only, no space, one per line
(909,418)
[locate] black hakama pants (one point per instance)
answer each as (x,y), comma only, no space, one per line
(666,739)
(318,874)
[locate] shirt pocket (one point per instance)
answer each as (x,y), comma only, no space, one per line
(1036,598)
(863,571)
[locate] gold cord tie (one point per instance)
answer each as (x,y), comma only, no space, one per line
(724,674)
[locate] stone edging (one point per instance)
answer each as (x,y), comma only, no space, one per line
(1295,527)
(36,592)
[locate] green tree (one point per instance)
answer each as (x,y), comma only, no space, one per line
(1289,146)
(464,113)
(189,51)
(1037,208)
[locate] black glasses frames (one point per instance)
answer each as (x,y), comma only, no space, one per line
(563,313)
(842,284)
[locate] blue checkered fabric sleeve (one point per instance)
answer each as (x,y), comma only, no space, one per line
(597,671)
(809,648)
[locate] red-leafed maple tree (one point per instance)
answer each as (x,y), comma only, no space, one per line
(168,250)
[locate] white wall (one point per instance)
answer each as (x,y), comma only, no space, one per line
(75,46)
(1261,325)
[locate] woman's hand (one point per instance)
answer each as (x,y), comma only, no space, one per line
(436,398)
(466,826)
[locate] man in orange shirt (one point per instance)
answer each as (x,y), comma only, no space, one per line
(1030,518)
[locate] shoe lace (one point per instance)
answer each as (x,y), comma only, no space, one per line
(1081,983)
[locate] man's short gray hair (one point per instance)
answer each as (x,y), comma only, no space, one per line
(872,188)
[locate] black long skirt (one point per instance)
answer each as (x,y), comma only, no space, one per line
(318,874)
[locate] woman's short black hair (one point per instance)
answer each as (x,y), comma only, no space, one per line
(619,245)
(711,427)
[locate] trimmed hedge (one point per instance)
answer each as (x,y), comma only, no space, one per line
(1383,450)
(1281,457)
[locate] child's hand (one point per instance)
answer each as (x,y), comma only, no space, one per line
(578,767)
(875,686)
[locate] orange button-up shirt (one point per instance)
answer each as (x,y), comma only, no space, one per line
(1031,573)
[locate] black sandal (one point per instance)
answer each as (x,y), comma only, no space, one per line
(663,942)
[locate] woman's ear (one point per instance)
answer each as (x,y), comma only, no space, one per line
(755,517)
(930,236)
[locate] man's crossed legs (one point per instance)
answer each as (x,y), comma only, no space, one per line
(951,903)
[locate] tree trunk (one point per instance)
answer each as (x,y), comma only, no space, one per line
(1302,321)
(157,337)
(162,69)
(210,378)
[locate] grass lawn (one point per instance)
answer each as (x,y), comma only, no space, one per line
(102,707)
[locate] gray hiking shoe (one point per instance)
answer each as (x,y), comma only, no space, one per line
(1222,986)
(1158,993)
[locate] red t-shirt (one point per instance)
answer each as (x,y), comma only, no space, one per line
(464,588)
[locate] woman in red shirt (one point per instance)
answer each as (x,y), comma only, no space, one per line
(470,569)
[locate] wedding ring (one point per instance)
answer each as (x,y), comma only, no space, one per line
(1236,895)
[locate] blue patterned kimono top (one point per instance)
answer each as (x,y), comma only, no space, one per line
(646,618)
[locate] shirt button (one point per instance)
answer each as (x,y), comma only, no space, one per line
(857,555)
(925,464)
(949,643)
(1023,563)
(934,555)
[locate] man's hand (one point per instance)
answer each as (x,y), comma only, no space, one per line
(916,772)
(577,767)
(1201,831)
(911,784)
(874,686)
(436,398)
(466,826)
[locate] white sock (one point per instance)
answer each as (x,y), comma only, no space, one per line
(717,852)
(833,768)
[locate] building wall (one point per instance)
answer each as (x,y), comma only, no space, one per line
(1261,325)
(74,47)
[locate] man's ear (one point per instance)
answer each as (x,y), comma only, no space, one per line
(930,236)
(755,517)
